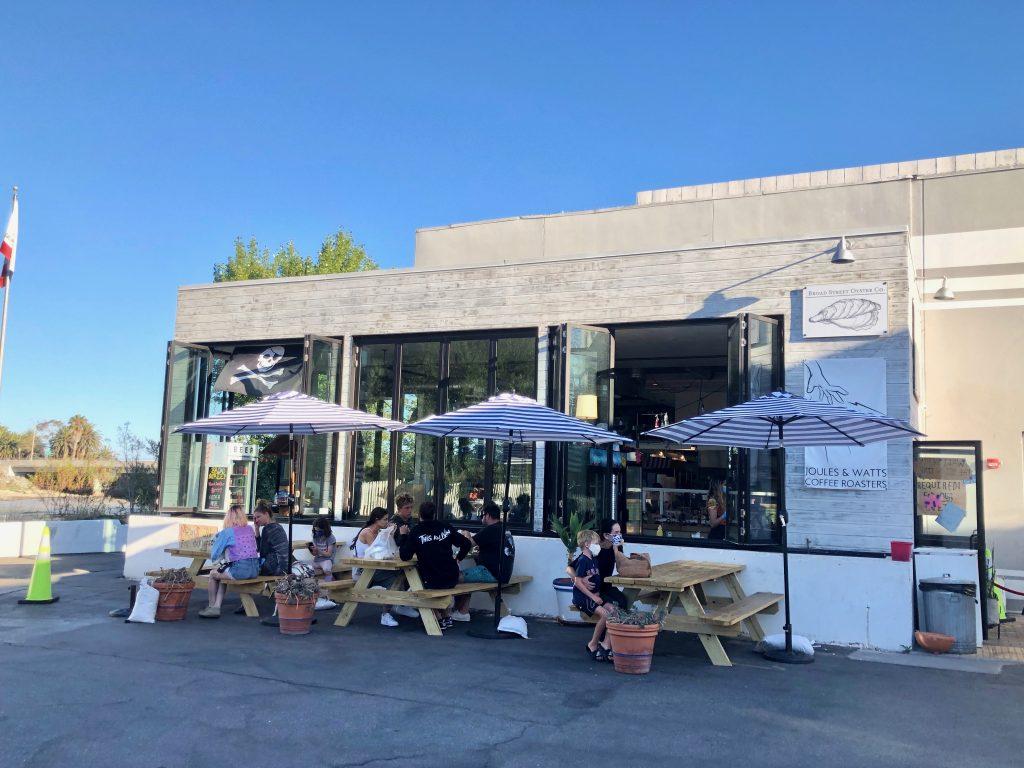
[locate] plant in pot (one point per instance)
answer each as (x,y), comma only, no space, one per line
(295,595)
(175,586)
(563,586)
(632,635)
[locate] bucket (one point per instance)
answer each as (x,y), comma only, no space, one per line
(563,593)
(633,647)
(294,618)
(901,551)
(173,601)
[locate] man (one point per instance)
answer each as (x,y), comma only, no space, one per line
(431,542)
(402,520)
(271,540)
(488,540)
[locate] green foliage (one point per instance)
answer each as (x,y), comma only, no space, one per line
(78,439)
(634,618)
(65,477)
(338,253)
(10,444)
(568,532)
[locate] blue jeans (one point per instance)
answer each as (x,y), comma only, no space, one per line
(245,569)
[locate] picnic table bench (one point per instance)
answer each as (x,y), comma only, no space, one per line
(200,556)
(408,590)
(681,583)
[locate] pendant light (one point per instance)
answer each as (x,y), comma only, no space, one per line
(945,293)
(842,254)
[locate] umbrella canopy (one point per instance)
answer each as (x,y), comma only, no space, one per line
(287,413)
(780,419)
(516,419)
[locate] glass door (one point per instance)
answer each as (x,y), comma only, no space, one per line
(187,385)
(321,373)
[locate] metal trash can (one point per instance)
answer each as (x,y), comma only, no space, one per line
(949,608)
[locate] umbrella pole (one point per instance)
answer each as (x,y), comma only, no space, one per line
(291,492)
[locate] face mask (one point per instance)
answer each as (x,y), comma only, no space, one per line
(595,549)
(617,539)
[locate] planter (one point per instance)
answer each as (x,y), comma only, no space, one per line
(172,603)
(934,642)
(294,616)
(633,647)
(563,594)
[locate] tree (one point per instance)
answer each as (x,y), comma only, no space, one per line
(338,253)
(137,481)
(78,439)
(9,444)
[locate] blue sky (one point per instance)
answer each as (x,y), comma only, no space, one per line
(146,136)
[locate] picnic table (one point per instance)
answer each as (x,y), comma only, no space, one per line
(200,556)
(681,583)
(407,589)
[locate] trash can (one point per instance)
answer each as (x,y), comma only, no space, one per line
(949,608)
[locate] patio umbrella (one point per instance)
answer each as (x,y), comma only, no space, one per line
(287,413)
(514,419)
(781,420)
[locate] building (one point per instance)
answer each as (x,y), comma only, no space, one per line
(690,299)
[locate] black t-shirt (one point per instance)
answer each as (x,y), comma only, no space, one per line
(606,560)
(432,544)
(398,521)
(488,539)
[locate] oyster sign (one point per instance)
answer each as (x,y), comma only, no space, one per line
(850,309)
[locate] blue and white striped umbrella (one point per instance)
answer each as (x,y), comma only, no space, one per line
(287,413)
(780,419)
(515,419)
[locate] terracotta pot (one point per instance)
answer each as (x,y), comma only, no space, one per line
(633,647)
(934,642)
(294,617)
(173,601)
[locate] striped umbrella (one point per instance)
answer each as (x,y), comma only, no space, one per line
(287,413)
(780,420)
(515,419)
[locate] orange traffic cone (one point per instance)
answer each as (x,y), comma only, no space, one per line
(39,590)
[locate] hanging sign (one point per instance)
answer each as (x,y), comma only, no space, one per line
(858,382)
(848,309)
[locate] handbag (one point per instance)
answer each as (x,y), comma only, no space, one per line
(633,566)
(383,547)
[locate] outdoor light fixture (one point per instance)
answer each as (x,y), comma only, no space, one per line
(842,254)
(586,407)
(945,293)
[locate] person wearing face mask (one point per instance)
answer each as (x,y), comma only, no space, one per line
(586,592)
(610,541)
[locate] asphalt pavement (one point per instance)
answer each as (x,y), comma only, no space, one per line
(79,688)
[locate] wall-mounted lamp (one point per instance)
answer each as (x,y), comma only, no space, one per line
(586,407)
(945,293)
(843,254)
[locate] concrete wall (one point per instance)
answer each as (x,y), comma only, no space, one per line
(67,537)
(842,600)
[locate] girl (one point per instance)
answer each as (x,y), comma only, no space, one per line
(236,543)
(322,548)
(588,598)
(377,522)
(716,513)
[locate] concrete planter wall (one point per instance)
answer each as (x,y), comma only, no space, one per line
(67,537)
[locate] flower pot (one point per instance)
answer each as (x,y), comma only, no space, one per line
(563,594)
(294,617)
(934,642)
(172,603)
(633,647)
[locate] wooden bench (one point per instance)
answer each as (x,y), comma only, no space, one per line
(264,585)
(511,587)
(732,613)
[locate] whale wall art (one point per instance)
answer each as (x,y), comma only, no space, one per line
(848,309)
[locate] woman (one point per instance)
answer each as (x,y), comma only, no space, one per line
(375,523)
(588,598)
(322,548)
(716,513)
(610,541)
(235,545)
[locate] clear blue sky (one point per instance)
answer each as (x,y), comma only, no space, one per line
(146,136)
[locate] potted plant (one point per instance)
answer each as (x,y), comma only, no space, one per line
(632,635)
(175,586)
(562,585)
(296,596)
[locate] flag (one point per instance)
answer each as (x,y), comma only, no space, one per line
(9,244)
(261,370)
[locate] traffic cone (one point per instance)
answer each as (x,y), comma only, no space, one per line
(39,590)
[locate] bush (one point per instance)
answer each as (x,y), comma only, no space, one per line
(68,478)
(136,484)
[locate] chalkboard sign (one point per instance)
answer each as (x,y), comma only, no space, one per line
(216,483)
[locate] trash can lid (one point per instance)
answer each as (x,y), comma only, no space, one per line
(947,584)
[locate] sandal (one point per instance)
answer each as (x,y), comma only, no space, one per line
(609,655)
(598,654)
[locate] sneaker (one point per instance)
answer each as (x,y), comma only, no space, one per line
(447,623)
(387,620)
(209,612)
(405,610)
(460,616)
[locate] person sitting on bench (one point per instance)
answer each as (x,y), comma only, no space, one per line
(586,592)
(376,524)
(431,542)
(236,543)
(488,540)
(272,542)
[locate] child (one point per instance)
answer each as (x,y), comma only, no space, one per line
(588,598)
(322,548)
(236,543)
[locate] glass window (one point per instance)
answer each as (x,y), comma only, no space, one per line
(516,366)
(417,454)
(465,459)
(946,494)
(187,394)
(373,449)
(318,483)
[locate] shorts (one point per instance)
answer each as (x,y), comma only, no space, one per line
(383,579)
(324,563)
(478,574)
(586,605)
(245,569)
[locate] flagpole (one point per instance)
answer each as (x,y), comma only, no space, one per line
(3,318)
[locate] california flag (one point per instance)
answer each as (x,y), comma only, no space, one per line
(9,245)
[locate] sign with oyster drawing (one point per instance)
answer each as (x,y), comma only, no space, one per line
(848,309)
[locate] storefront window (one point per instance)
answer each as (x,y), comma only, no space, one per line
(417,454)
(318,483)
(465,459)
(187,395)
(947,494)
(373,449)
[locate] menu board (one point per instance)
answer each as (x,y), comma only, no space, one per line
(216,484)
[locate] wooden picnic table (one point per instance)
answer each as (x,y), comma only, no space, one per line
(407,589)
(681,583)
(200,556)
